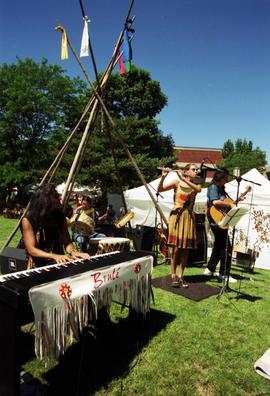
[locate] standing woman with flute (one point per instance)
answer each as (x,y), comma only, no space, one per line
(182,225)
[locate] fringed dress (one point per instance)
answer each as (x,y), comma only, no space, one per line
(182,226)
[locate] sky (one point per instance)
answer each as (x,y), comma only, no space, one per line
(211,57)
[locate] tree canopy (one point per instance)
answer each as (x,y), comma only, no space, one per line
(241,154)
(36,102)
(39,107)
(133,101)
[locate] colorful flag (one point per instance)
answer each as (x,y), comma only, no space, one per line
(126,58)
(64,48)
(121,65)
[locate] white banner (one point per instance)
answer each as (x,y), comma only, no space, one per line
(63,307)
(85,40)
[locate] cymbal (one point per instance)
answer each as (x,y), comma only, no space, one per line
(81,228)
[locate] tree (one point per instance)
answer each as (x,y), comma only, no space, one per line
(242,155)
(36,101)
(39,107)
(133,101)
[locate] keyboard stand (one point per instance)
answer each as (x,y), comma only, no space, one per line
(10,349)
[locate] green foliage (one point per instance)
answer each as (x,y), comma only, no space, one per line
(36,101)
(242,155)
(135,95)
(133,101)
(228,149)
(40,106)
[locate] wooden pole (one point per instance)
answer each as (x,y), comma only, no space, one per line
(158,208)
(94,104)
(77,156)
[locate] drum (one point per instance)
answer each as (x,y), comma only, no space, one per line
(107,245)
(125,219)
(82,224)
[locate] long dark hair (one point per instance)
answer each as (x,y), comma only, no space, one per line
(219,175)
(42,203)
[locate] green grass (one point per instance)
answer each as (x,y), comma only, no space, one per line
(6,227)
(185,348)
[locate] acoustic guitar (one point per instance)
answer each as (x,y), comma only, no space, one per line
(219,213)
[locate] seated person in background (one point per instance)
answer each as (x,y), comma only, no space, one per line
(108,216)
(83,230)
(44,230)
(83,225)
(78,200)
(85,207)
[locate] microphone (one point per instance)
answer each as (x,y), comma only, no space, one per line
(202,170)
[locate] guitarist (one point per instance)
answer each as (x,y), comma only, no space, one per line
(217,196)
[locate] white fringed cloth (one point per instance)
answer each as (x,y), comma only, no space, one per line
(64,307)
(262,365)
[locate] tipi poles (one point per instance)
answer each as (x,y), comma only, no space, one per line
(79,152)
(114,127)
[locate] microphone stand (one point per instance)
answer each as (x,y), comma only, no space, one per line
(226,286)
(156,232)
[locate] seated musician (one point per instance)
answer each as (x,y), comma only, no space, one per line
(44,229)
(86,208)
(108,216)
(84,214)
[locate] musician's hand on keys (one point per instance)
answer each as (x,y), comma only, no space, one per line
(60,258)
(76,254)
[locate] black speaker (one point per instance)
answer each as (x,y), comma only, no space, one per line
(144,237)
(13,260)
(198,256)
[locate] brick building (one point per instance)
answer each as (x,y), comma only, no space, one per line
(185,155)
(210,156)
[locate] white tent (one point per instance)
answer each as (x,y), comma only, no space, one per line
(253,230)
(260,194)
(139,201)
(76,188)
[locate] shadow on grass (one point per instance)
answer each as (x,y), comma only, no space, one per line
(248,297)
(104,354)
(225,291)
